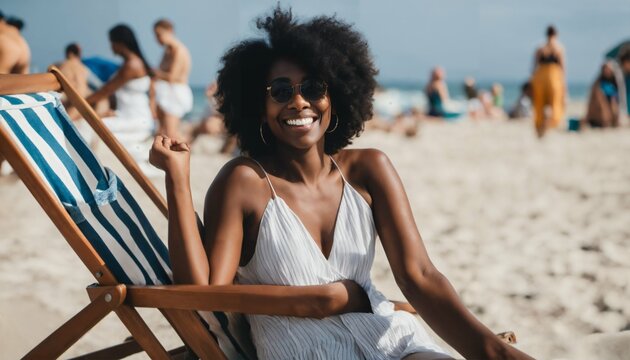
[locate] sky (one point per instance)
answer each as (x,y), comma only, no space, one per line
(492,40)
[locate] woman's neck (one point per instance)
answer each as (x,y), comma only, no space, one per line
(306,166)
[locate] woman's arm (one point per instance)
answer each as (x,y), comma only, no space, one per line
(152,101)
(428,291)
(188,260)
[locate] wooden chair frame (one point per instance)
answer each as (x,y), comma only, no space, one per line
(178,303)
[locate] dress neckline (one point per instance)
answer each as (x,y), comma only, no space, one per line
(310,239)
(277,200)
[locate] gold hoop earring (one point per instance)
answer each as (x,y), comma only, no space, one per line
(336,124)
(261,134)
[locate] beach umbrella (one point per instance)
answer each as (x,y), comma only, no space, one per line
(100,70)
(101,67)
(614,52)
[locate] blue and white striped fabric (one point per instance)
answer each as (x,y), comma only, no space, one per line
(95,198)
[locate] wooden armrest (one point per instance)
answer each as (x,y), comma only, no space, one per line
(247,299)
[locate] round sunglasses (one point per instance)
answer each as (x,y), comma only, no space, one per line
(281,91)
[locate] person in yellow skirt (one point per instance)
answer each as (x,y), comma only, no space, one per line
(548,84)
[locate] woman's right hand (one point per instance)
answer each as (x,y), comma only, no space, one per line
(170,155)
(345,296)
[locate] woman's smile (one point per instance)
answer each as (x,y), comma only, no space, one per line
(303,122)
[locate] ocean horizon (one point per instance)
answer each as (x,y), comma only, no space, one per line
(410,94)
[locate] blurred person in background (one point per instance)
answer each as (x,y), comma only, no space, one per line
(492,102)
(472,97)
(77,75)
(15,54)
(437,95)
(624,61)
(132,122)
(16,23)
(74,70)
(497,95)
(173,96)
(391,116)
(523,106)
(603,102)
(548,84)
(213,124)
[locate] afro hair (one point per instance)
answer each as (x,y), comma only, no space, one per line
(325,47)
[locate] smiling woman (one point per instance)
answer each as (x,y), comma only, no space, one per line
(300,211)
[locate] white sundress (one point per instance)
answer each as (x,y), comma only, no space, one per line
(286,254)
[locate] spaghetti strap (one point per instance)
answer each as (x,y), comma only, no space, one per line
(273,191)
(338,168)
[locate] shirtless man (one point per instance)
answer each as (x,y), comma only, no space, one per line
(172,93)
(15,55)
(74,70)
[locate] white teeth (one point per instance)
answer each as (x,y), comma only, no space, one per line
(300,122)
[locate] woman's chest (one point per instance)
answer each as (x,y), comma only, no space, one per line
(286,253)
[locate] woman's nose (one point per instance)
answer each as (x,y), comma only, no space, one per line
(298,102)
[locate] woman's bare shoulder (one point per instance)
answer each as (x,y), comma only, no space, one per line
(240,183)
(362,159)
(240,172)
(362,165)
(133,68)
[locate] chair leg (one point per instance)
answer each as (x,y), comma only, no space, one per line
(141,332)
(69,333)
(192,331)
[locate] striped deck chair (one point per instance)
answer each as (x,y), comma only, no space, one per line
(108,230)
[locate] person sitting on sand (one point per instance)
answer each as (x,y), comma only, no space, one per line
(437,95)
(212,123)
(492,102)
(301,211)
(603,103)
(173,96)
(523,106)
(389,116)
(624,61)
(472,97)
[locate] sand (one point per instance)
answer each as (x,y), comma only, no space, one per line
(533,235)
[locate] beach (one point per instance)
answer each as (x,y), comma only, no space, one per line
(533,234)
